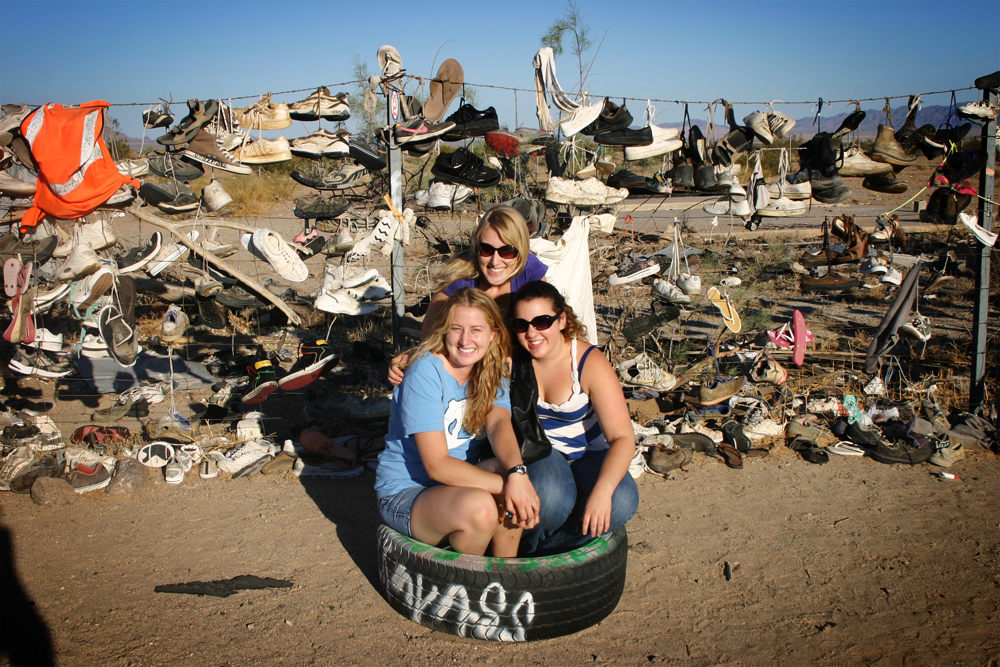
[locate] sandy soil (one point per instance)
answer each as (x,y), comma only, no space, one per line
(851,563)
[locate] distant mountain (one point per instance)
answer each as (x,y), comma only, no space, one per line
(934,115)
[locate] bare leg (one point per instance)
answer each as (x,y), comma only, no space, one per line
(466,517)
(507,537)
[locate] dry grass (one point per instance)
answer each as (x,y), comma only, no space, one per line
(257,194)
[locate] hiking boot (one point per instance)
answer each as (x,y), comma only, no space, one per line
(204,148)
(641,371)
(471,122)
(465,168)
(322,143)
(682,175)
(264,115)
(888,183)
(263,151)
(263,383)
(172,166)
(321,104)
(831,282)
(888,150)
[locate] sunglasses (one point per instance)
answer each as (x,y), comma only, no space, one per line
(505,251)
(541,323)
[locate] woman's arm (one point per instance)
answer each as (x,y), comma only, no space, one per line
(519,493)
(444,468)
(599,381)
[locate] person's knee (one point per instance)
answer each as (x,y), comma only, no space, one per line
(479,512)
(624,502)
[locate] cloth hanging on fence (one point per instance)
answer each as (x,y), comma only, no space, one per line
(578,115)
(886,336)
(75,171)
(569,270)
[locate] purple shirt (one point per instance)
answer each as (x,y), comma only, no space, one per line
(533,270)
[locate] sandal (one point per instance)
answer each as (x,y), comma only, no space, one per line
(729,313)
(10,270)
(730,456)
(318,445)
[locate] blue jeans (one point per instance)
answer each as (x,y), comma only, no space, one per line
(563,488)
(396,510)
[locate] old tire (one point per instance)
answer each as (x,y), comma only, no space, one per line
(502,599)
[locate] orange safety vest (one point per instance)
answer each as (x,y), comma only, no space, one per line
(75,171)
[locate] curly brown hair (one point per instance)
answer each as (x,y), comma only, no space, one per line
(489,372)
(539,289)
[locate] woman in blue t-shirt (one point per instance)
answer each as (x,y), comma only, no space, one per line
(430,483)
(498,262)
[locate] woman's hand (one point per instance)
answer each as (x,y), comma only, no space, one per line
(597,513)
(521,500)
(396,367)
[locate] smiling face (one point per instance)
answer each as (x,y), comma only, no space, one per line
(540,344)
(468,338)
(495,269)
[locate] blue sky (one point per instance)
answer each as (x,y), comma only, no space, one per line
(72,52)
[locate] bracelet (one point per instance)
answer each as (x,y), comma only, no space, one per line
(523,469)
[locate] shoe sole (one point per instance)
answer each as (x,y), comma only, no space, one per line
(504,144)
(306,376)
(260,394)
(15,365)
(100,287)
(273,158)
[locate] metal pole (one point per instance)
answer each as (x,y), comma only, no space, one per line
(396,195)
(977,387)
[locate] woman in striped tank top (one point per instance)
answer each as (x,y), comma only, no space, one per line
(583,485)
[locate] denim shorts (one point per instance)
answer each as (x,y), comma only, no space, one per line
(395,510)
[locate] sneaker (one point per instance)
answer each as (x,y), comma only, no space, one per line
(169,254)
(381,235)
(46,340)
(873,265)
(522,141)
(322,143)
(918,329)
(971,222)
(93,347)
(665,140)
(626,137)
(888,183)
(362,153)
(280,255)
(373,408)
(374,290)
(589,192)
(39,364)
(321,104)
(81,262)
(900,452)
(262,383)
(312,362)
(158,116)
(690,284)
(175,324)
(343,276)
(612,117)
(856,163)
(641,371)
(264,115)
(978,111)
(85,292)
(320,208)
(667,291)
(204,148)
(173,426)
(419,129)
(948,455)
(892,276)
(214,196)
(348,176)
(471,122)
(465,168)
(173,472)
(759,123)
(636,271)
(783,207)
(171,166)
(240,457)
(97,235)
(443,196)
(793,191)
(119,335)
(16,462)
(139,256)
(831,282)
(341,303)
(84,478)
(342,242)
(219,249)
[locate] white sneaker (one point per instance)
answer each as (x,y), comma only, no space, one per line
(971,222)
(93,347)
(169,254)
(979,110)
(280,255)
(81,262)
(872,265)
(444,195)
(667,291)
(381,235)
(174,324)
(242,456)
(793,191)
(588,192)
(47,340)
(342,303)
(98,235)
(856,163)
(641,371)
(343,241)
(689,283)
(43,302)
(379,288)
(215,197)
(892,276)
(343,276)
(783,207)
(665,140)
(759,123)
(85,292)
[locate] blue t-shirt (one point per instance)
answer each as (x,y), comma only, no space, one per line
(534,269)
(429,399)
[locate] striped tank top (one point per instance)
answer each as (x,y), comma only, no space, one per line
(572,427)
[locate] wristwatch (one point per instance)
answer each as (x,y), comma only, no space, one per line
(523,469)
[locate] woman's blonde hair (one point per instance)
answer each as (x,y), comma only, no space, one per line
(539,289)
(512,229)
(488,372)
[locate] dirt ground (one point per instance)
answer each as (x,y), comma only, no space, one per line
(849,563)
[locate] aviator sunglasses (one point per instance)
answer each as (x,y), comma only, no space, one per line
(505,251)
(541,323)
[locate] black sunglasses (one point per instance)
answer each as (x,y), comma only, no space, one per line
(541,323)
(505,251)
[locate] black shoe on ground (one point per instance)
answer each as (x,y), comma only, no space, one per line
(471,122)
(900,452)
(465,168)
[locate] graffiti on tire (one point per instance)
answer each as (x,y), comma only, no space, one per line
(491,616)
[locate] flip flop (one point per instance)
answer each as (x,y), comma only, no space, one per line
(730,456)
(444,87)
(845,448)
(799,338)
(10,272)
(23,277)
(729,314)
